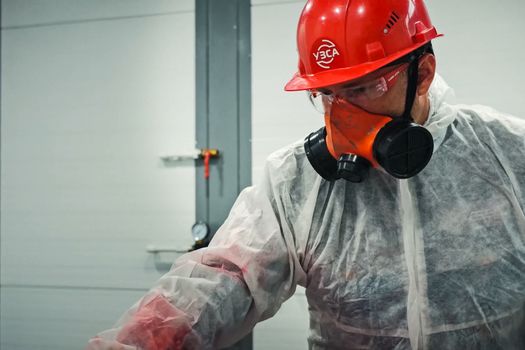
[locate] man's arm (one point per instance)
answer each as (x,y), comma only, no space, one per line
(213,297)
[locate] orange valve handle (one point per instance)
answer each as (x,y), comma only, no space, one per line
(207,154)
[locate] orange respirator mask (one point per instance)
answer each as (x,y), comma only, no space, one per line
(353,140)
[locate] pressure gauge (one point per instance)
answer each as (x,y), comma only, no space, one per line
(200,231)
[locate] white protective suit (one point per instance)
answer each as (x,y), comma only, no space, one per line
(436,261)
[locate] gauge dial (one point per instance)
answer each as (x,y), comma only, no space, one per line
(200,231)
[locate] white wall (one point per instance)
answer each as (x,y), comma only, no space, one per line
(481,54)
(93,93)
(480,57)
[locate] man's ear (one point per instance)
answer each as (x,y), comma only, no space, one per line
(427,70)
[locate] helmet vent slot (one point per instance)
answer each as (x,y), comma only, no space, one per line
(394,17)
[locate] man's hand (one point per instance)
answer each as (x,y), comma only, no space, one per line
(158,325)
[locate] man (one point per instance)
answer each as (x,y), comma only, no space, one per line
(404,218)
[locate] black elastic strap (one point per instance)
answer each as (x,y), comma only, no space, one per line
(413,75)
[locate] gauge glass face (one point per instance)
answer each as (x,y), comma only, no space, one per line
(199,231)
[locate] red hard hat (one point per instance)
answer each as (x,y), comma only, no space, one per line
(342,40)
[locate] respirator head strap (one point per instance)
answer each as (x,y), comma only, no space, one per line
(413,75)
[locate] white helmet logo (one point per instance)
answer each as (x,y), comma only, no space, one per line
(325,54)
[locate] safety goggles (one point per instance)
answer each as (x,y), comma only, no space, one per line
(357,94)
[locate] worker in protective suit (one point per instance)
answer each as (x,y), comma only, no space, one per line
(404,217)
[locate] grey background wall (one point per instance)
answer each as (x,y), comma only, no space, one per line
(94,92)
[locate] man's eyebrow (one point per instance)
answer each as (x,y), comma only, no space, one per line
(325,91)
(346,85)
(355,84)
(349,85)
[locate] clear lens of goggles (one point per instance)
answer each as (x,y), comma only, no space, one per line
(367,91)
(353,94)
(316,99)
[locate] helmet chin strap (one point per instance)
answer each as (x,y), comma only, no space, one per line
(413,75)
